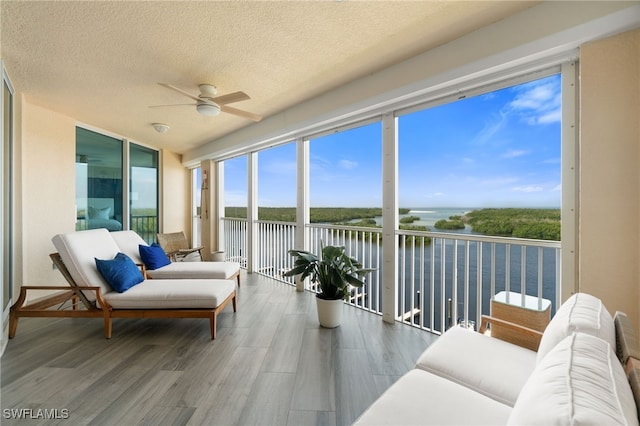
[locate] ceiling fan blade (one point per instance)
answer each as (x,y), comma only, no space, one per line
(171,105)
(240,113)
(230,98)
(168,86)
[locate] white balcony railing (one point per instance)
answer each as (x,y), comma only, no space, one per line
(427,296)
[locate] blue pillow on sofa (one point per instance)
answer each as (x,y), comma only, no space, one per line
(153,256)
(120,272)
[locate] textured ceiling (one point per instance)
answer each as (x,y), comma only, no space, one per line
(100,62)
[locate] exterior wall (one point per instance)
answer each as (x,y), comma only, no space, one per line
(609,182)
(175,195)
(47,175)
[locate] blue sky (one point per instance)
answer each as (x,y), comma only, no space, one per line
(500,149)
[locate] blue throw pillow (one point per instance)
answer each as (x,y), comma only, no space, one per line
(120,273)
(153,256)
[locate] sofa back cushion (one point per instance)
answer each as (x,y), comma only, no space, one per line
(78,250)
(580,381)
(129,241)
(580,313)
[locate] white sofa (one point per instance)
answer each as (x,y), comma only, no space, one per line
(148,298)
(576,377)
(129,242)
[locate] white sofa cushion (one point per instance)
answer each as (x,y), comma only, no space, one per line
(176,270)
(580,381)
(493,367)
(173,294)
(129,241)
(580,313)
(78,251)
(422,398)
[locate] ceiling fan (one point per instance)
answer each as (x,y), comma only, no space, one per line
(209,103)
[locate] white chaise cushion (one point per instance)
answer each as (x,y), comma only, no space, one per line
(422,398)
(129,242)
(173,294)
(579,382)
(580,313)
(78,250)
(493,367)
(176,270)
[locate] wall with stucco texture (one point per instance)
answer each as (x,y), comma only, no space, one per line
(176,195)
(609,250)
(48,146)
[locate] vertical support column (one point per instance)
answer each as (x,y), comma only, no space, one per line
(207,208)
(570,190)
(389,217)
(126,185)
(219,203)
(302,196)
(252,212)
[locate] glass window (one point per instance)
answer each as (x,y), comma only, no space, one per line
(98,181)
(196,208)
(277,183)
(7,234)
(235,187)
(345,171)
(143,196)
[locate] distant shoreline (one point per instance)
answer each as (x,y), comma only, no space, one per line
(533,223)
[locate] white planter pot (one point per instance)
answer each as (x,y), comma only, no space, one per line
(329,312)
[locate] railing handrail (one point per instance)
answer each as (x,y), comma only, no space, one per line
(344,227)
(240,219)
(481,238)
(275,222)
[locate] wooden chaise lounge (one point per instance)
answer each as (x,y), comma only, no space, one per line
(91,297)
(129,242)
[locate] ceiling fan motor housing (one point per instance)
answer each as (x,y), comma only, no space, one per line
(207,91)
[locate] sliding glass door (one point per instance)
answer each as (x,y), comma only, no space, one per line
(6,232)
(98,181)
(143,191)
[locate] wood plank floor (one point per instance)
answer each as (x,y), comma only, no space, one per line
(271,364)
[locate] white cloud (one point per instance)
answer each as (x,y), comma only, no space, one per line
(515,153)
(557,188)
(491,128)
(347,164)
(528,188)
(499,181)
(538,102)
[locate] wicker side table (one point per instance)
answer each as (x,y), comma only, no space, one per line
(529,312)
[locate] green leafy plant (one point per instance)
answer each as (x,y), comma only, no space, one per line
(334,271)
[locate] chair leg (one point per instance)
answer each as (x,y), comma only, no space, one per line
(212,324)
(13,324)
(107,327)
(235,305)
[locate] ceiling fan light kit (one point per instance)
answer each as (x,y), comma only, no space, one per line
(208,109)
(160,128)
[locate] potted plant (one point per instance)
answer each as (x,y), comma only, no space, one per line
(334,272)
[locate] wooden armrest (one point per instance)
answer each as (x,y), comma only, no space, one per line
(486,320)
(143,269)
(189,250)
